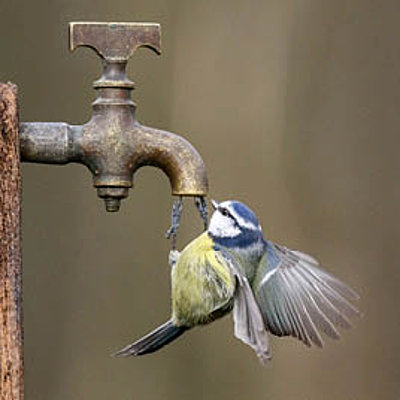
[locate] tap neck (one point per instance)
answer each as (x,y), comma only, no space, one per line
(114,75)
(114,88)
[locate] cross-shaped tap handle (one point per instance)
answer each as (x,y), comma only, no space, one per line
(115,42)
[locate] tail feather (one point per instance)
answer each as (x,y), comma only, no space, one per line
(153,341)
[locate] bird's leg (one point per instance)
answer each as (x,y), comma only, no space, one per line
(177,209)
(201,205)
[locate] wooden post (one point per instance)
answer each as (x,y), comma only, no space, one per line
(11,325)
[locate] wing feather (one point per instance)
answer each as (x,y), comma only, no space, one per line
(298,299)
(302,312)
(247,317)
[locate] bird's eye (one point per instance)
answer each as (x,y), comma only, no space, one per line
(224,212)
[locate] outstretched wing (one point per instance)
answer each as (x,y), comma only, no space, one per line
(247,317)
(298,299)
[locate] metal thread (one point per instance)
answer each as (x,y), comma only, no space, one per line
(112,204)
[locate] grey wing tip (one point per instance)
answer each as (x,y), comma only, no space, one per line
(350,292)
(264,358)
(355,295)
(125,352)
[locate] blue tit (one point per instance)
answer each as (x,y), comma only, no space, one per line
(269,288)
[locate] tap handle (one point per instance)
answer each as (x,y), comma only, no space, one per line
(115,41)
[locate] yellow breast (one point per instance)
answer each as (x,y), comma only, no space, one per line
(202,283)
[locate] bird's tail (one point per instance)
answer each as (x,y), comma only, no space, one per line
(153,341)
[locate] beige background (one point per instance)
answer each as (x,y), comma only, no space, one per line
(294,106)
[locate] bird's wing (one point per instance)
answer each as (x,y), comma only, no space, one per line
(248,321)
(298,299)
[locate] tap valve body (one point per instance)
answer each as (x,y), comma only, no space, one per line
(113,144)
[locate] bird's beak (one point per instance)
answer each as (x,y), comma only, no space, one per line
(215,204)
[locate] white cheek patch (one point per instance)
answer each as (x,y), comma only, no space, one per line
(221,226)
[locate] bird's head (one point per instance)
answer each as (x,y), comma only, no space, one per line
(233,224)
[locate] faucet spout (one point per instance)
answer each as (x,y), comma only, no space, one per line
(176,157)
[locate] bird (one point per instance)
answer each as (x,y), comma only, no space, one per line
(269,288)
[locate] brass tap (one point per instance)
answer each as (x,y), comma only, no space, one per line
(113,144)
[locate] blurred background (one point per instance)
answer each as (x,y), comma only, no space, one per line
(294,106)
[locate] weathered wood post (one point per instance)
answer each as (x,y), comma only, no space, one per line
(11,327)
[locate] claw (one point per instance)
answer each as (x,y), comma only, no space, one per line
(173,257)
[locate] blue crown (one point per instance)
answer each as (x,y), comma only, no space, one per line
(245,212)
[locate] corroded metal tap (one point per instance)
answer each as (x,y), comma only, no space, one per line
(113,144)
